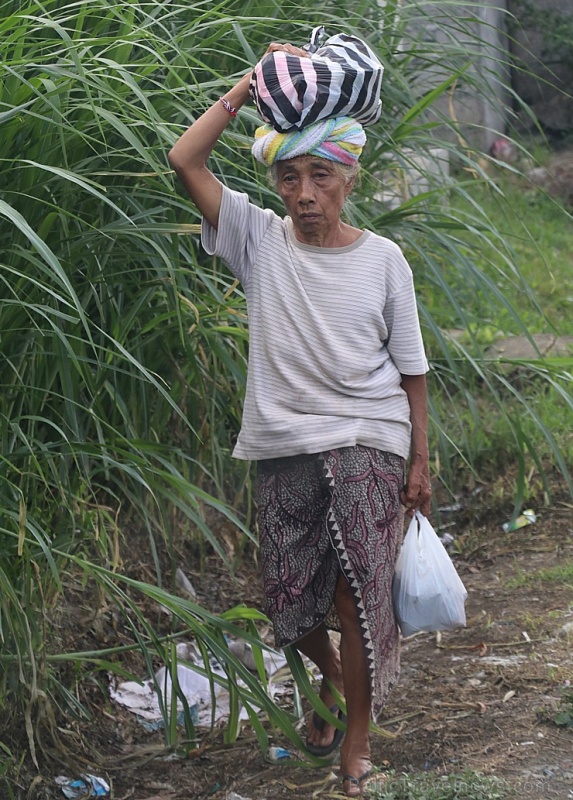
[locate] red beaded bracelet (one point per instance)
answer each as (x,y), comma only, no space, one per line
(228,107)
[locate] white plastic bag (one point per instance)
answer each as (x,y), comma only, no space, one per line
(427,591)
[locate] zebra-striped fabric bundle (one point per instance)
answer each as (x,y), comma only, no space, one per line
(343,77)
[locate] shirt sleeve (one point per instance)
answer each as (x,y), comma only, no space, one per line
(240,231)
(404,342)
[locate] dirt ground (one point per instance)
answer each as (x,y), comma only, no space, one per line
(483,698)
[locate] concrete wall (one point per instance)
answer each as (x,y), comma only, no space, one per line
(542,44)
(547,70)
(479,28)
(482,116)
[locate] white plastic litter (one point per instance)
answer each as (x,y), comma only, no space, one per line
(447,540)
(566,630)
(277,754)
(527,518)
(184,583)
(86,786)
(244,652)
(143,698)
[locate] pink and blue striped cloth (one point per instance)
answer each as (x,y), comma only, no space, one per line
(342,78)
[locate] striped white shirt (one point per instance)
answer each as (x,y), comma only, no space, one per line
(331,332)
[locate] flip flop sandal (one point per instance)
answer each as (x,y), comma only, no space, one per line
(357,783)
(320,751)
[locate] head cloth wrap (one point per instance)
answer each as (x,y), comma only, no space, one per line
(337,139)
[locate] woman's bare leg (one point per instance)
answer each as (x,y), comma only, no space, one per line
(318,646)
(355,750)
(348,671)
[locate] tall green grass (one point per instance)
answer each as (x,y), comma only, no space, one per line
(536,394)
(540,234)
(124,347)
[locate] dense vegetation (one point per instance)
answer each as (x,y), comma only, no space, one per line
(124,347)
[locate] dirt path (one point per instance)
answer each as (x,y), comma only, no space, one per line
(483,698)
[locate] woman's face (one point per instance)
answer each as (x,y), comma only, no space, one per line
(313,192)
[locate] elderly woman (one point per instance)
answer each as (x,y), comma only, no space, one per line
(335,406)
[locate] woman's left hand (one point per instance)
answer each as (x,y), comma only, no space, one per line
(287,47)
(418,489)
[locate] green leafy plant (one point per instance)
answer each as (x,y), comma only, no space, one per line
(561,712)
(564,716)
(560,574)
(8,768)
(555,25)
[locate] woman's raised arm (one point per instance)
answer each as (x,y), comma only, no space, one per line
(190,153)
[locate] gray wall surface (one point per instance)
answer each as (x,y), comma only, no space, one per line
(479,28)
(542,41)
(535,35)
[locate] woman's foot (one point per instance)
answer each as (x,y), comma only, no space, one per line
(370,781)
(318,647)
(355,767)
(354,787)
(321,735)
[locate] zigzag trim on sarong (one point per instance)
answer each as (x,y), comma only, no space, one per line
(338,544)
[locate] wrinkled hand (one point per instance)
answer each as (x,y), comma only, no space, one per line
(275,47)
(418,489)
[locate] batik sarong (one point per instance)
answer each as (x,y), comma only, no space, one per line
(323,514)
